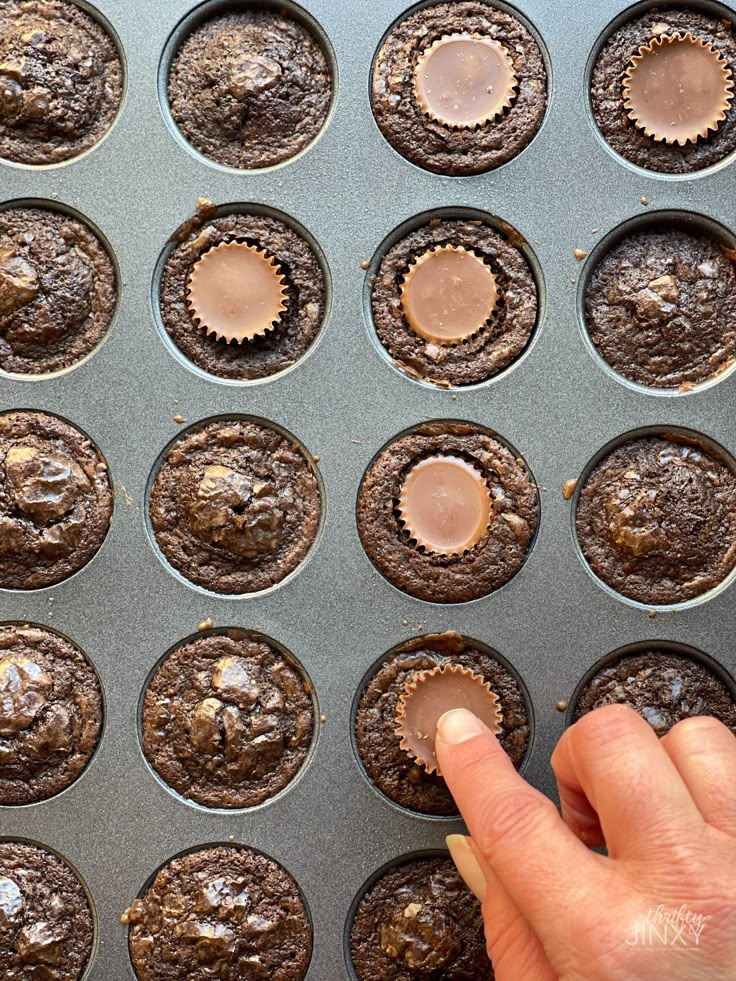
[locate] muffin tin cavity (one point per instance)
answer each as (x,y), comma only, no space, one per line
(492,334)
(59,288)
(257,246)
(416,916)
(376,744)
(240,907)
(639,40)
(657,303)
(464,49)
(56,499)
(49,911)
(654,517)
(663,681)
(51,713)
(62,80)
(228,719)
(486,484)
(247,86)
(234,505)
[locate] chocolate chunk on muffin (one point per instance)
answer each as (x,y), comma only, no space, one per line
(56,500)
(661,308)
(454,302)
(46,925)
(61,81)
(447,513)
(206,307)
(662,90)
(227,720)
(58,291)
(50,713)
(251,88)
(226,912)
(394,772)
(419,920)
(662,686)
(459,88)
(656,519)
(235,505)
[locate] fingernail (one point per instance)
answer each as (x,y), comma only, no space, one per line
(459,725)
(467,865)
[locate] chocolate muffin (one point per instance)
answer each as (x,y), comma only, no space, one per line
(459,88)
(454,302)
(387,765)
(58,290)
(223,912)
(661,308)
(235,505)
(46,928)
(447,513)
(216,345)
(250,88)
(661,90)
(61,81)
(56,500)
(663,687)
(656,519)
(227,720)
(50,713)
(419,920)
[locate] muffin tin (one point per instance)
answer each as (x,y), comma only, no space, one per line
(567,190)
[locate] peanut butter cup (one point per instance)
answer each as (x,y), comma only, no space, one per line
(445,505)
(50,713)
(426,698)
(661,89)
(236,292)
(459,88)
(447,513)
(678,88)
(656,519)
(465,80)
(224,912)
(448,294)
(454,302)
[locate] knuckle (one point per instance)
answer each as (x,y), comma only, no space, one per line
(516,815)
(692,729)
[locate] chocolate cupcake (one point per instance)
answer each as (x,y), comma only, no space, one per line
(58,290)
(235,505)
(56,500)
(447,513)
(656,519)
(46,927)
(227,720)
(454,302)
(662,90)
(459,88)
(664,687)
(396,772)
(251,88)
(61,81)
(50,713)
(661,308)
(226,912)
(419,920)
(242,296)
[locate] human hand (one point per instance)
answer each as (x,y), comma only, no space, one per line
(666,809)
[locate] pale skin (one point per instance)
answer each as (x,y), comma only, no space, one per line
(666,809)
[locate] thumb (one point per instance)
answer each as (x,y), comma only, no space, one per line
(517,830)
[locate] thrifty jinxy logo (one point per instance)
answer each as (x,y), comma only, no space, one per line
(673,928)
